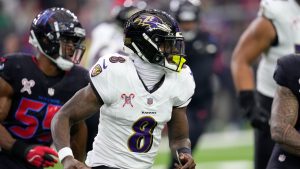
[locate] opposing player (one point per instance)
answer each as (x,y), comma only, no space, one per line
(271,35)
(137,96)
(33,88)
(284,121)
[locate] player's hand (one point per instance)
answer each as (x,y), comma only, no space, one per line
(41,156)
(185,161)
(257,116)
(71,163)
(36,155)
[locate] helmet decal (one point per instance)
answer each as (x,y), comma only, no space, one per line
(152,22)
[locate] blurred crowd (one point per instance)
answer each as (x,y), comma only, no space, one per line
(225,19)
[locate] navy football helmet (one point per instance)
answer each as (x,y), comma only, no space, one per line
(58,34)
(154,36)
(124,13)
(187,11)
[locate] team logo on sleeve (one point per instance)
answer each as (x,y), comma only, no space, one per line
(104,65)
(127,99)
(96,70)
(27,85)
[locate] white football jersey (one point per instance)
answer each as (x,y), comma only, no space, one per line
(285,16)
(132,119)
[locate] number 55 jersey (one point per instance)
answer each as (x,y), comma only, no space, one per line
(37,97)
(132,118)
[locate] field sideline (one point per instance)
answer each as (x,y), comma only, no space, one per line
(222,150)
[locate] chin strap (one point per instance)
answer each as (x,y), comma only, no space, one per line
(64,64)
(139,53)
(179,60)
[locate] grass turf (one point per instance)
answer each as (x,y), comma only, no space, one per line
(213,155)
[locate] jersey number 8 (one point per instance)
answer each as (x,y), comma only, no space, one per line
(142,139)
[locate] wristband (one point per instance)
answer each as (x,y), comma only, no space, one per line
(246,98)
(184,150)
(19,149)
(64,152)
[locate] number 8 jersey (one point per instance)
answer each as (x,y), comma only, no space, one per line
(132,119)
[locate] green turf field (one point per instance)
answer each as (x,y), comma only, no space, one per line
(215,157)
(215,151)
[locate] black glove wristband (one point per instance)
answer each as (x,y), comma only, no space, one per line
(184,150)
(246,100)
(19,149)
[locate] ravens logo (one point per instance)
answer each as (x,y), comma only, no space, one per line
(96,70)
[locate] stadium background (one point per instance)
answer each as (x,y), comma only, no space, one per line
(229,139)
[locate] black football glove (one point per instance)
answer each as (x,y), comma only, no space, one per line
(257,116)
(36,155)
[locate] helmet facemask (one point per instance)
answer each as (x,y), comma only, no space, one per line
(166,51)
(171,48)
(71,49)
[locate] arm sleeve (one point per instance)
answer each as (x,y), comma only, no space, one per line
(101,81)
(266,9)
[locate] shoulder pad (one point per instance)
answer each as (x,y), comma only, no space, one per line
(186,84)
(271,9)
(286,68)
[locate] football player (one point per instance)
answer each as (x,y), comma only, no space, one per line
(34,87)
(284,121)
(111,41)
(202,50)
(271,35)
(137,95)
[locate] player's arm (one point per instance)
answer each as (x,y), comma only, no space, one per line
(79,140)
(179,142)
(6,92)
(256,39)
(283,119)
(82,105)
(33,154)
